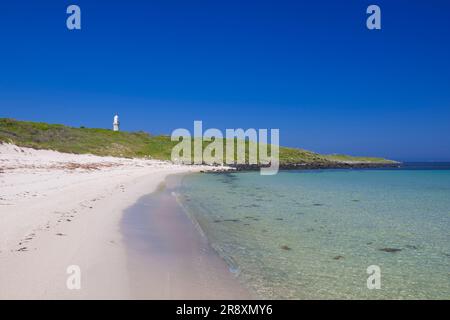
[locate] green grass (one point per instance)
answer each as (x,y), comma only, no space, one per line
(345,158)
(105,142)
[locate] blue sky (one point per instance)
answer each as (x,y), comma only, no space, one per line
(311,69)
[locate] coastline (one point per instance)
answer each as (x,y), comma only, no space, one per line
(59,210)
(168,256)
(323,165)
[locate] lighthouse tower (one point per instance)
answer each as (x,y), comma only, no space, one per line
(116,123)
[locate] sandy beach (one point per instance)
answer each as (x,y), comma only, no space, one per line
(59,210)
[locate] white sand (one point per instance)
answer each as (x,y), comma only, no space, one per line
(58,210)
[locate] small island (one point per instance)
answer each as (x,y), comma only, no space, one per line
(104,142)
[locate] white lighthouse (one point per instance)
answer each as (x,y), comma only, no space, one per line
(116,123)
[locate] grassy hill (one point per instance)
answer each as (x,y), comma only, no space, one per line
(105,142)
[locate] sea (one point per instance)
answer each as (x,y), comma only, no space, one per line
(329,234)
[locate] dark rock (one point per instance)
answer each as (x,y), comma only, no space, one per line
(320,164)
(393,250)
(232,220)
(251,206)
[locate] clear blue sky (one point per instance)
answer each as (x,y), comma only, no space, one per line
(310,68)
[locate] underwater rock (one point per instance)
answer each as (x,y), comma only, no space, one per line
(252,206)
(338,257)
(393,250)
(285,247)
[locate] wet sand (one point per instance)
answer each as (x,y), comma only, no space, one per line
(167,256)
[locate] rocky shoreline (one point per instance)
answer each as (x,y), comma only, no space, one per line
(312,166)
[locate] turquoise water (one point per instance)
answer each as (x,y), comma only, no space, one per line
(312,234)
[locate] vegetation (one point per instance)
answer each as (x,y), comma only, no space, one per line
(105,142)
(346,158)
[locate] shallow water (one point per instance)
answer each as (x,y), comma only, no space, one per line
(312,234)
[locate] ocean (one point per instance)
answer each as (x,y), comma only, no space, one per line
(313,234)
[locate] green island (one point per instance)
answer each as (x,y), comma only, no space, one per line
(104,142)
